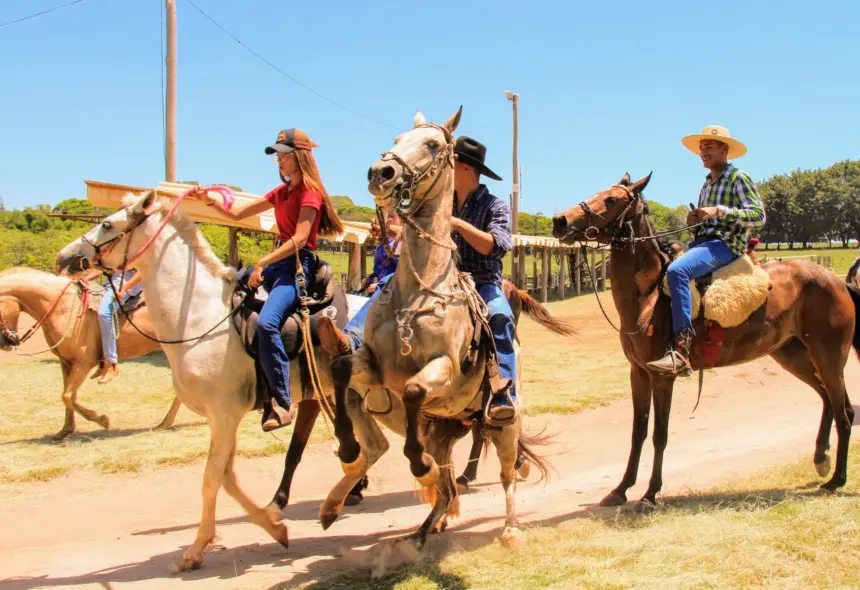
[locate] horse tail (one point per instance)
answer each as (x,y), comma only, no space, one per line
(855,297)
(521,301)
(852,271)
(525,448)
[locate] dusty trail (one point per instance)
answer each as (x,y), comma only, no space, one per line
(124,531)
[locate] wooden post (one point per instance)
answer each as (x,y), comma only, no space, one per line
(603,270)
(594,272)
(578,271)
(354,276)
(233,247)
(545,267)
(363,265)
(534,268)
(521,268)
(170,106)
(561,260)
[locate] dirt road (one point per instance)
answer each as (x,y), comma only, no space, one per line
(125,531)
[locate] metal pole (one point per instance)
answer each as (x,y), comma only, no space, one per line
(170,132)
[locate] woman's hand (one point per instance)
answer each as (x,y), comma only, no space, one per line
(256,278)
(198,193)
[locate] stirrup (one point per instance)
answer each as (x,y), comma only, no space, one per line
(680,365)
(501,423)
(274,416)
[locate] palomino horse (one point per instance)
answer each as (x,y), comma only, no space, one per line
(72,334)
(807,325)
(418,338)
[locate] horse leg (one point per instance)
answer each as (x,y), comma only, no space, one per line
(662,407)
(506,443)
(222,447)
(305,420)
(435,375)
(640,386)
(357,369)
(373,445)
(77,375)
(440,439)
(69,423)
(794,358)
(471,471)
(170,416)
(829,367)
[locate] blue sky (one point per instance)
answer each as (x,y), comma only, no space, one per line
(604,88)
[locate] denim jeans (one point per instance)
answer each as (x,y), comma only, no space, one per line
(106,310)
(354,328)
(699,260)
(279,279)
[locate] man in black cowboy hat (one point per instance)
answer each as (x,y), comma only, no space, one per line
(481,226)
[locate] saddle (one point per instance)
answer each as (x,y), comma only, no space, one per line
(728,296)
(327,298)
(95,300)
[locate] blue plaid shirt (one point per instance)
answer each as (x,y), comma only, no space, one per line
(492,215)
(740,209)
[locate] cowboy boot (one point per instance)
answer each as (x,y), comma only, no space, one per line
(676,361)
(332,338)
(100,370)
(111,371)
(277,417)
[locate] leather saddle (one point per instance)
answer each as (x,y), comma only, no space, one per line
(328,299)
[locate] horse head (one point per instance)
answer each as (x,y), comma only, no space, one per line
(406,174)
(10,309)
(111,243)
(603,214)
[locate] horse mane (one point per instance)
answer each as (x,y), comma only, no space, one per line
(20,270)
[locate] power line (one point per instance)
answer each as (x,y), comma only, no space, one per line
(283,73)
(12,22)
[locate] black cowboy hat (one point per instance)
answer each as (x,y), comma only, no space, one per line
(473,152)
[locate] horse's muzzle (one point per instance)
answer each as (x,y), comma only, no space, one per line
(382,176)
(71,265)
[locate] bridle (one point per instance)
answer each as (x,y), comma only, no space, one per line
(104,248)
(614,227)
(405,191)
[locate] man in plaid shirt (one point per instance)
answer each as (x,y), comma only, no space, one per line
(729,207)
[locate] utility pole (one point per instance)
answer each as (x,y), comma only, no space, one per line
(170,131)
(515,209)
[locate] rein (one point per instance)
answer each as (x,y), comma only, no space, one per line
(16,342)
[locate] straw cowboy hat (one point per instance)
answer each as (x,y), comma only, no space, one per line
(715,133)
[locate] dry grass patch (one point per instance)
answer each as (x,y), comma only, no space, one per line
(765,532)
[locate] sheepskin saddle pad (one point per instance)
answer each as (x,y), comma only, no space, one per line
(735,292)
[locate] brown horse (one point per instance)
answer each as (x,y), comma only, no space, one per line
(807,325)
(75,340)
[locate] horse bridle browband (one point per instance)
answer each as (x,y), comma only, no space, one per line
(613,226)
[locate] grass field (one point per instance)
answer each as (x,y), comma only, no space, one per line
(764,532)
(840,258)
(560,375)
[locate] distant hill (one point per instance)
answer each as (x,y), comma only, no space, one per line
(349,211)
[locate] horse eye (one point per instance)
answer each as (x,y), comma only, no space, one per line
(610,202)
(107,225)
(433,144)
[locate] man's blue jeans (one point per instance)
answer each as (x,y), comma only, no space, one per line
(699,260)
(279,279)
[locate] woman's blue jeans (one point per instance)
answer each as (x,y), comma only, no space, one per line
(279,279)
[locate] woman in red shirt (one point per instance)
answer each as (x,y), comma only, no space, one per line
(302,210)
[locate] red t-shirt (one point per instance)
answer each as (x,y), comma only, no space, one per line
(287,203)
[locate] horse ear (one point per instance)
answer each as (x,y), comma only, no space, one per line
(419,119)
(640,184)
(144,203)
(625,180)
(451,124)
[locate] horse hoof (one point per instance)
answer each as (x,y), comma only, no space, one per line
(357,468)
(61,435)
(103,421)
(525,469)
(353,500)
(273,511)
(644,506)
(281,534)
(823,468)
(431,478)
(186,564)
(831,486)
(613,499)
(329,512)
(462,484)
(512,538)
